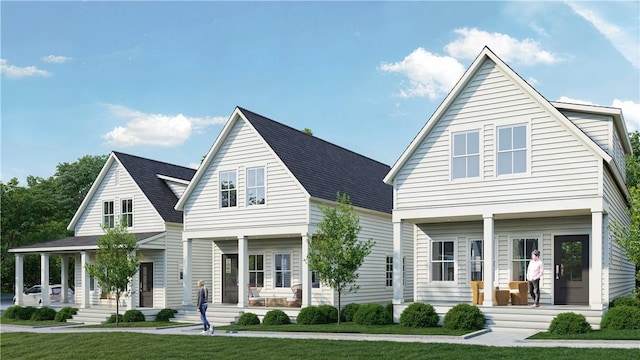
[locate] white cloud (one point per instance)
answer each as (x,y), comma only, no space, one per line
(631,113)
(155,129)
(428,74)
(625,41)
(12,71)
(471,41)
(55,59)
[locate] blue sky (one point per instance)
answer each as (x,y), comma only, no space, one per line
(159,79)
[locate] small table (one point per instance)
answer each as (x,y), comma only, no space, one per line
(501,297)
(276,301)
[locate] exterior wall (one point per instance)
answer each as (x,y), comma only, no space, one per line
(202,267)
(597,127)
(173,267)
(177,188)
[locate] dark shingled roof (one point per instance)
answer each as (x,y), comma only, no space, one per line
(323,168)
(144,172)
(77,241)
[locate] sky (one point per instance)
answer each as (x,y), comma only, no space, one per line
(160,79)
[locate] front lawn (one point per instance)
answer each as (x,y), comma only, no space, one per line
(593,335)
(348,327)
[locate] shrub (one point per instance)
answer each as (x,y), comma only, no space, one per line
(276,317)
(166,314)
(112,319)
(43,314)
(311,315)
(25,313)
(12,312)
(569,323)
(348,312)
(389,309)
(625,301)
(371,314)
(464,317)
(65,314)
(133,315)
(419,315)
(621,317)
(330,313)
(248,319)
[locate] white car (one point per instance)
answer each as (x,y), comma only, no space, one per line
(32,296)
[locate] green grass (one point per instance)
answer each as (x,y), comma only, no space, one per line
(348,327)
(121,345)
(593,335)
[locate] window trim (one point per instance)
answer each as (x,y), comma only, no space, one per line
(256,271)
(527,256)
(465,131)
(496,151)
(454,262)
(220,190)
(111,216)
(275,271)
(122,213)
(264,185)
(388,271)
(471,260)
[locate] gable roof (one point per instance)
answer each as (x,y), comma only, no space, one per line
(487,54)
(321,168)
(146,174)
(75,243)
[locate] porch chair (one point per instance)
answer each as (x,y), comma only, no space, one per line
(477,292)
(296,300)
(254,296)
(518,290)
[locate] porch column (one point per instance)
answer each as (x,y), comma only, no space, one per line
(187,252)
(398,255)
(488,259)
(304,271)
(243,271)
(64,278)
(84,279)
(19,284)
(44,279)
(595,261)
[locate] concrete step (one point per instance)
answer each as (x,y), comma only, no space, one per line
(100,315)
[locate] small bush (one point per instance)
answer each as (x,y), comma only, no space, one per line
(348,312)
(330,313)
(569,323)
(625,301)
(43,314)
(621,318)
(371,314)
(166,314)
(248,319)
(133,315)
(12,312)
(25,313)
(65,314)
(311,315)
(389,309)
(464,317)
(276,317)
(112,319)
(419,315)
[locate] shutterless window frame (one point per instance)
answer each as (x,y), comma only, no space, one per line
(512,149)
(108,214)
(465,150)
(443,261)
(256,186)
(229,191)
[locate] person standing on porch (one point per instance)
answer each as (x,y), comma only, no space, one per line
(534,273)
(203,295)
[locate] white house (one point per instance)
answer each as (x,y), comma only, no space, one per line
(498,171)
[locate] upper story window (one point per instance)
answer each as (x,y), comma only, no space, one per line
(228,189)
(522,248)
(108,214)
(283,270)
(512,149)
(255,186)
(126,212)
(465,155)
(442,261)
(256,270)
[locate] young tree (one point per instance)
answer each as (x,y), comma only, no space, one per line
(116,262)
(335,253)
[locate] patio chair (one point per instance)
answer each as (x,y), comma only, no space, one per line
(296,300)
(477,292)
(518,292)
(254,296)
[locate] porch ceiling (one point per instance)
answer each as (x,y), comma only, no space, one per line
(72,244)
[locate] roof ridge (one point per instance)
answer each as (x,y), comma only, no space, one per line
(117,153)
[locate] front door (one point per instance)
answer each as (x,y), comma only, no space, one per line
(146,285)
(571,270)
(230,278)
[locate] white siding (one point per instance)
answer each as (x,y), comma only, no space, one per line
(177,188)
(597,127)
(173,256)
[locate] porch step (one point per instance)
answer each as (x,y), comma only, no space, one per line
(216,314)
(100,315)
(526,317)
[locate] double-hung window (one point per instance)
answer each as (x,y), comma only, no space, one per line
(522,248)
(126,212)
(512,149)
(228,189)
(108,214)
(283,270)
(465,155)
(256,270)
(389,271)
(255,186)
(476,261)
(442,261)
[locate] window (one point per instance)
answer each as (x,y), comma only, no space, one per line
(512,149)
(522,249)
(465,161)
(476,260)
(126,212)
(442,261)
(315,281)
(283,270)
(256,270)
(255,186)
(108,215)
(389,271)
(228,191)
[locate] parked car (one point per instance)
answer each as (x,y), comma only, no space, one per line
(33,295)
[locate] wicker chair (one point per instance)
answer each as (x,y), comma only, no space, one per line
(254,296)
(477,292)
(518,291)
(296,300)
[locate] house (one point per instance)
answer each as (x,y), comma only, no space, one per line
(144,192)
(254,202)
(498,171)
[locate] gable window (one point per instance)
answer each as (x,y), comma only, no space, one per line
(228,189)
(512,149)
(442,261)
(389,271)
(476,261)
(108,214)
(256,270)
(126,212)
(522,248)
(465,155)
(255,186)
(283,270)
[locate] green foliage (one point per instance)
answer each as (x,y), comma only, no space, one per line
(349,311)
(43,314)
(311,315)
(330,313)
(633,161)
(133,315)
(12,312)
(248,319)
(419,315)
(276,317)
(389,308)
(569,323)
(335,252)
(65,314)
(464,317)
(625,301)
(25,313)
(115,318)
(371,314)
(166,314)
(621,317)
